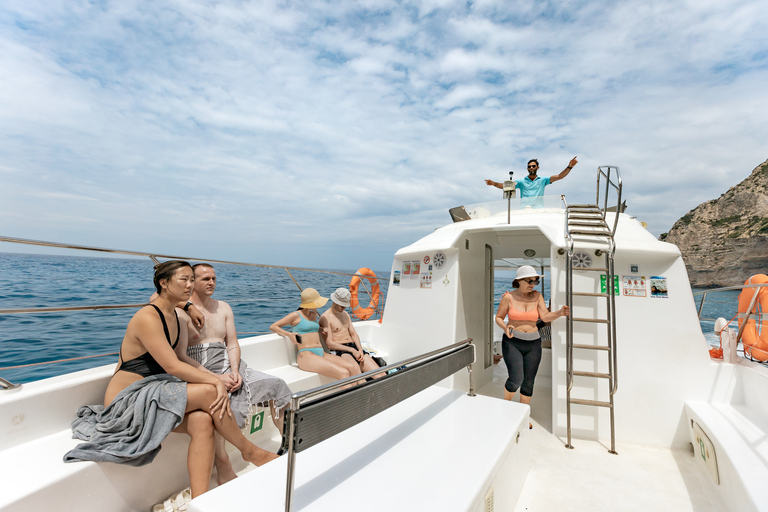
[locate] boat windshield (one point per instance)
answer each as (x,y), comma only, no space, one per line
(499,208)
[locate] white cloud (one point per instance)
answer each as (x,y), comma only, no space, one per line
(272,126)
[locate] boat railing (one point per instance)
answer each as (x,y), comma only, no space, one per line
(320,413)
(5,385)
(611,176)
(503,207)
(743,317)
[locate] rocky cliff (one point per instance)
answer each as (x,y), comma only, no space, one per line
(725,241)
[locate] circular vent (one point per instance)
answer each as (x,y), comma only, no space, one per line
(438,260)
(582,260)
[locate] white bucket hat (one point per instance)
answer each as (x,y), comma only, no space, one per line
(341,297)
(526,271)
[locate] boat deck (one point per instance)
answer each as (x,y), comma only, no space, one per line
(589,478)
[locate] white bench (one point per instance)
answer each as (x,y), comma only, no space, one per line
(736,423)
(424,453)
(36,434)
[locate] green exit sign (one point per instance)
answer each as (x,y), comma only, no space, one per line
(603,288)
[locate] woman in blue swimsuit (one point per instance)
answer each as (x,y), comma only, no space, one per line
(306,336)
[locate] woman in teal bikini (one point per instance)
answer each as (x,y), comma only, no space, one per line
(306,336)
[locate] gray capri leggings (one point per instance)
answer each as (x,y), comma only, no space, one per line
(522,355)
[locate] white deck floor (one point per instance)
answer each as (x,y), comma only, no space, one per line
(639,478)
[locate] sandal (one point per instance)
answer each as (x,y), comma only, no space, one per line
(178,502)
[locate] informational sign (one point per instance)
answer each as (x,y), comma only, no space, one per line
(415,266)
(406,269)
(634,286)
(396,278)
(658,287)
(257,421)
(615,285)
(426,260)
(705,452)
(426,280)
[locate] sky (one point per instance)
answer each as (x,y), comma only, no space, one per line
(332,133)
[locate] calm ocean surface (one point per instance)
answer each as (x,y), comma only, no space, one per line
(258,296)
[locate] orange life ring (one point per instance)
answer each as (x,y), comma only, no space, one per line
(755,335)
(354,284)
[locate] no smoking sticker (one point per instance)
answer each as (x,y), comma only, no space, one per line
(426,260)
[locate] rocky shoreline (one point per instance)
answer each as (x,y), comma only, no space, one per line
(725,241)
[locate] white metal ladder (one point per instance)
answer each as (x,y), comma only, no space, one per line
(586,227)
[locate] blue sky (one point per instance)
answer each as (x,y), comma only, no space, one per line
(330,134)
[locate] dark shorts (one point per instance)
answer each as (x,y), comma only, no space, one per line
(342,352)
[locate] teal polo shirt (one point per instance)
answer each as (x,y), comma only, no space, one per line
(533,188)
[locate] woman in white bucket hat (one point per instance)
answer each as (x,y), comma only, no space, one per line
(521,344)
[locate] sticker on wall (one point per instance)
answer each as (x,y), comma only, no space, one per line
(406,269)
(415,266)
(426,280)
(615,285)
(659,287)
(257,421)
(426,260)
(396,278)
(634,286)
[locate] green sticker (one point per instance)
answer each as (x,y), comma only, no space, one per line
(257,421)
(615,284)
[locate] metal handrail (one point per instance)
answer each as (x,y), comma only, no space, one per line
(313,395)
(166,256)
(747,315)
(326,389)
(608,183)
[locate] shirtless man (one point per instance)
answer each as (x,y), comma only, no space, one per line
(340,334)
(215,348)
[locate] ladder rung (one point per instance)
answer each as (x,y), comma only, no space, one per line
(583,207)
(592,269)
(590,402)
(592,347)
(592,374)
(586,225)
(590,294)
(586,216)
(591,233)
(591,320)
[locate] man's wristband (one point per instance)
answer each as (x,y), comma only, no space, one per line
(569,167)
(186,306)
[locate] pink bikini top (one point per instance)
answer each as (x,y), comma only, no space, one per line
(524,316)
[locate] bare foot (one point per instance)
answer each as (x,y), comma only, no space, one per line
(225,472)
(259,457)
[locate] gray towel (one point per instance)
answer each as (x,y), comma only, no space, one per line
(130,430)
(258,388)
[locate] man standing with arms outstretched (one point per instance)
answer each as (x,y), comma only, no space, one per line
(533,185)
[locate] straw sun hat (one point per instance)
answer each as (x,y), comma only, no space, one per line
(311,299)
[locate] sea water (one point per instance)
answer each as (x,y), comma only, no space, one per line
(258,296)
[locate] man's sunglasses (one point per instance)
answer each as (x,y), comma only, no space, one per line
(532,166)
(531,281)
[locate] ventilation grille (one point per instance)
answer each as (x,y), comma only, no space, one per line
(489,501)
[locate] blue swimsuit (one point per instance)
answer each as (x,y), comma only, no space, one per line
(307,327)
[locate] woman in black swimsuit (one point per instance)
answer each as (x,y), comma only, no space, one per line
(147,354)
